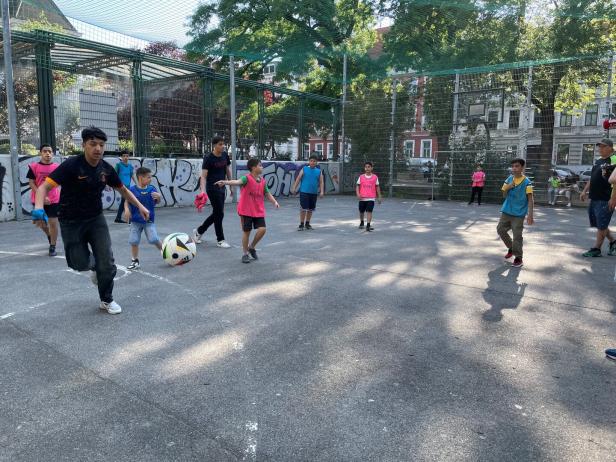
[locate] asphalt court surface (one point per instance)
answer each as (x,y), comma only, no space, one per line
(413,342)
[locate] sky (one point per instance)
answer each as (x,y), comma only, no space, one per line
(150,20)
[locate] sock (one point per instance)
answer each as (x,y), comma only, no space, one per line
(307,223)
(361,222)
(368,224)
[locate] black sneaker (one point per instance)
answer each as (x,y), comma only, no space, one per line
(610,353)
(134,264)
(361,225)
(245,259)
(52,251)
(369,228)
(253,253)
(594,252)
(308,227)
(119,221)
(300,227)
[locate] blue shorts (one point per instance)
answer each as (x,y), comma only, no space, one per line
(307,201)
(599,214)
(134,237)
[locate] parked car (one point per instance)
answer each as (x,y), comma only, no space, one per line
(585,175)
(566,175)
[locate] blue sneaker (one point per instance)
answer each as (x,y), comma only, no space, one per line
(610,353)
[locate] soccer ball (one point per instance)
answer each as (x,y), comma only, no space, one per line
(178,248)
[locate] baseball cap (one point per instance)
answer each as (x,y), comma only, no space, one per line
(607,142)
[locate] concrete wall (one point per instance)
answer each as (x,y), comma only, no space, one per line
(176,179)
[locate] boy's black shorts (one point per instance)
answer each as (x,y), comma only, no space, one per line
(366,206)
(51,210)
(250,223)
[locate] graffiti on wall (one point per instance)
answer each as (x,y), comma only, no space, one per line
(177,180)
(280,176)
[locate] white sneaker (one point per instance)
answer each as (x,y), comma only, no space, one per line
(196,236)
(93,277)
(223,245)
(111,307)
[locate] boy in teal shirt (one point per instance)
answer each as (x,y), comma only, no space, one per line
(310,181)
(518,194)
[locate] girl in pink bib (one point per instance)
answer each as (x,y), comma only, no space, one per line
(251,206)
(37,173)
(479,180)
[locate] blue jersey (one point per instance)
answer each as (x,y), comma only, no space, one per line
(516,201)
(145,197)
(310,180)
(125,172)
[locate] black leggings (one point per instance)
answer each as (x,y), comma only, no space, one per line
(476,190)
(217,200)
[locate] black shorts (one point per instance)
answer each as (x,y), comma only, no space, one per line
(250,223)
(307,201)
(51,210)
(366,206)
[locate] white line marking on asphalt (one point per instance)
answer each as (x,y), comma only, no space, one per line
(7,315)
(250,452)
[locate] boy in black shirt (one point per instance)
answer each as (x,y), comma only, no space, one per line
(82,223)
(600,192)
(215,168)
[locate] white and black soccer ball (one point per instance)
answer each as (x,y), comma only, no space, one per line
(178,249)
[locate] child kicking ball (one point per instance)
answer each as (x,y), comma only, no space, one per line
(149,197)
(251,207)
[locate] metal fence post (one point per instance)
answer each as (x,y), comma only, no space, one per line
(233,121)
(300,129)
(610,74)
(392,138)
(342,112)
(523,148)
(44,82)
(208,113)
(260,123)
(139,134)
(10,105)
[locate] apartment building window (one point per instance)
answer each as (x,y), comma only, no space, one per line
(566,120)
(426,148)
(514,118)
(306,150)
(492,120)
(614,108)
(269,69)
(318,148)
(562,154)
(588,154)
(592,113)
(330,150)
(409,148)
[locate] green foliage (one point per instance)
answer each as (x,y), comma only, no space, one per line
(305,39)
(127,145)
(42,23)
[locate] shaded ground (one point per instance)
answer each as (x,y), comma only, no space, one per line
(415,342)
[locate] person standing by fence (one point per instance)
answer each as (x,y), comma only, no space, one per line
(479,180)
(125,172)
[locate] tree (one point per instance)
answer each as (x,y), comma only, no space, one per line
(26,89)
(166,49)
(305,39)
(467,33)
